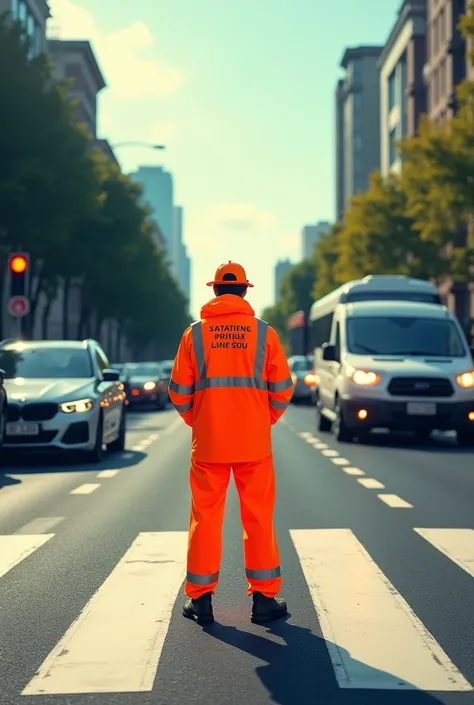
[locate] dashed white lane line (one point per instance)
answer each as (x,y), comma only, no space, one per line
(370,484)
(393,500)
(353,471)
(40,525)
(87,488)
(14,549)
(320,446)
(107,473)
(305,434)
(330,453)
(340,461)
(127,455)
(174,425)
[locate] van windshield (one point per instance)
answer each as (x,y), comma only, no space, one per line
(403,335)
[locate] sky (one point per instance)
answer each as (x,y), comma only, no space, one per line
(242,96)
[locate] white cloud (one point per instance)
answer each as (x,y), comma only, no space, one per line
(127,56)
(241,216)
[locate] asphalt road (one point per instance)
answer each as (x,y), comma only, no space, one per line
(377,553)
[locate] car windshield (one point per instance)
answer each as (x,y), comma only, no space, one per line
(402,335)
(167,369)
(46,363)
(394,296)
(144,370)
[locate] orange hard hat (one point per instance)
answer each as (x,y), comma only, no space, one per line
(230,268)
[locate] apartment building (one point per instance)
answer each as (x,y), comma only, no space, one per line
(33,15)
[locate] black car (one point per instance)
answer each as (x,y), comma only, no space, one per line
(145,383)
(3,407)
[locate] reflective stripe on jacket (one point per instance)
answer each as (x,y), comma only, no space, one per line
(230,382)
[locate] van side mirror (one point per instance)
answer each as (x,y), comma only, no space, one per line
(111,375)
(329,352)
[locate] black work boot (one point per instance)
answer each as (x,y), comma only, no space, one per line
(265,609)
(200,610)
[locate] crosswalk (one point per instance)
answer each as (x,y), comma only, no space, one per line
(373,637)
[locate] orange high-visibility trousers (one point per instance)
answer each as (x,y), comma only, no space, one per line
(255,482)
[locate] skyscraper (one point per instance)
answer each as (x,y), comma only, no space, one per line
(282,267)
(310,236)
(180,256)
(357,123)
(158,194)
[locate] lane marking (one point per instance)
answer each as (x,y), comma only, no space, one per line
(320,446)
(15,548)
(356,615)
(115,644)
(456,544)
(393,500)
(305,434)
(330,453)
(340,461)
(107,473)
(174,425)
(154,437)
(370,484)
(40,525)
(353,471)
(138,448)
(86,489)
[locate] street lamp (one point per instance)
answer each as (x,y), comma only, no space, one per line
(138,144)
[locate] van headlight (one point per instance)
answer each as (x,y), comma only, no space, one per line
(365,378)
(466,380)
(79,407)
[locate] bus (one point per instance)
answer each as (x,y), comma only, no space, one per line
(381,287)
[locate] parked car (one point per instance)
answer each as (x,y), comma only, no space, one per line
(167,367)
(303,378)
(3,408)
(146,384)
(62,395)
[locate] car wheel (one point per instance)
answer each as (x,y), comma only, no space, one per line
(322,423)
(339,428)
(465,437)
(97,454)
(119,443)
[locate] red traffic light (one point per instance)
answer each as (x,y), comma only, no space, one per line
(18,264)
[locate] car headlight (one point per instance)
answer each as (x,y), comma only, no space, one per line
(311,380)
(79,407)
(365,378)
(466,380)
(149,386)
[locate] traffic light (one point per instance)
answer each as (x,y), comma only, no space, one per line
(19,267)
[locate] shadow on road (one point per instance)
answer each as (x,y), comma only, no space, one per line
(300,671)
(436,444)
(6,480)
(35,462)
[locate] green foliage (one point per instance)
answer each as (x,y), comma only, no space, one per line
(75,212)
(327,253)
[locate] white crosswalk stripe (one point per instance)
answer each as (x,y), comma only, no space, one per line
(116,642)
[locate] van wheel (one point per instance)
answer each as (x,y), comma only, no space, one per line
(339,428)
(322,423)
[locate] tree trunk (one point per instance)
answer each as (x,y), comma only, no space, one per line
(45,318)
(28,323)
(96,327)
(66,290)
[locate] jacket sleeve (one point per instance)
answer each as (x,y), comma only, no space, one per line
(181,385)
(280,385)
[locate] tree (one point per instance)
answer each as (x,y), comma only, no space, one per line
(46,180)
(378,236)
(326,255)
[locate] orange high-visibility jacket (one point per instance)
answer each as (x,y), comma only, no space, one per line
(230,382)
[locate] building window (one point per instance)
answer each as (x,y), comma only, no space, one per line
(357,70)
(392,92)
(435,87)
(22,11)
(442,78)
(14,9)
(435,37)
(392,147)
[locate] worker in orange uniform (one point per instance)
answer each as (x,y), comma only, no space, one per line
(231,382)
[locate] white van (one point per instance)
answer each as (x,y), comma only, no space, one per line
(397,365)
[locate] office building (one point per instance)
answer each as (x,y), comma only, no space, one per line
(310,236)
(33,15)
(402,87)
(158,194)
(182,268)
(282,268)
(447,65)
(76,60)
(447,62)
(357,123)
